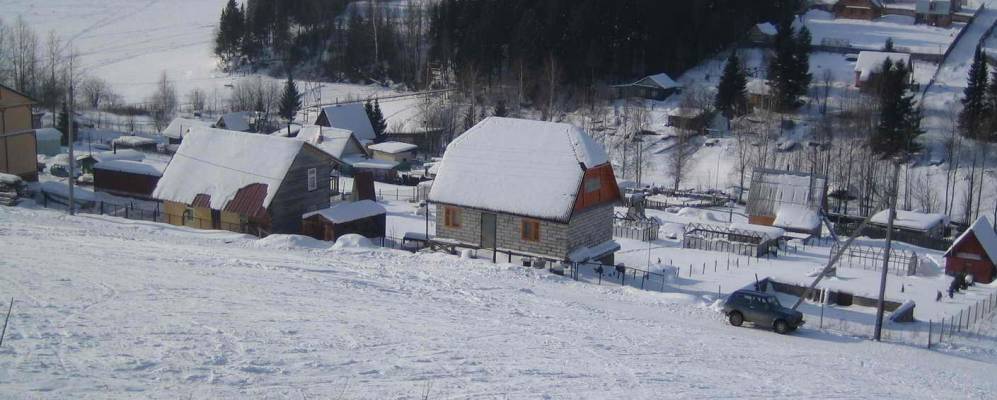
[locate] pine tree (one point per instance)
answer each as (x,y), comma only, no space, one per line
(500,109)
(290,102)
(789,71)
(974,97)
(900,120)
(731,96)
(228,39)
(888,46)
(991,111)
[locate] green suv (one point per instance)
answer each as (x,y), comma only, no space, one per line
(761,309)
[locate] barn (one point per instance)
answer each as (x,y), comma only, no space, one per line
(974,252)
(364,217)
(127,178)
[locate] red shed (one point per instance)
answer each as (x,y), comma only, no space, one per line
(127,178)
(974,252)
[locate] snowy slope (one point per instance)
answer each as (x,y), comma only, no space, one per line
(112,309)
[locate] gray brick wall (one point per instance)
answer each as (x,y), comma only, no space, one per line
(589,228)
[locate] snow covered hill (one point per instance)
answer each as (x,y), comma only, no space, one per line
(107,308)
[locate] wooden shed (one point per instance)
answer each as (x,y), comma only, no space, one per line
(974,252)
(365,217)
(127,178)
(858,9)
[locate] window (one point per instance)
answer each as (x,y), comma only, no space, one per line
(530,230)
(451,217)
(592,185)
(188,216)
(312,179)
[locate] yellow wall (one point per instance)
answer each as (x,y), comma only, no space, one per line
(15,112)
(174,213)
(18,155)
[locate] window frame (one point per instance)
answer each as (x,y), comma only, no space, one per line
(451,217)
(592,184)
(312,178)
(529,235)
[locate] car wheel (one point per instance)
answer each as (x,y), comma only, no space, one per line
(735,318)
(781,327)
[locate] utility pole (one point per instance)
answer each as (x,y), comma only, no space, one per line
(72,140)
(894,193)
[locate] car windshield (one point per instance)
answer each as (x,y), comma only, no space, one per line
(773,301)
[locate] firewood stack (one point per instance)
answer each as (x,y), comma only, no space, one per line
(11,189)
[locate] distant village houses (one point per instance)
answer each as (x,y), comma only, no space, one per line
(537,189)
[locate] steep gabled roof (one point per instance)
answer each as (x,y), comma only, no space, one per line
(219,164)
(984,233)
(235,121)
(337,142)
(179,127)
(522,167)
(351,117)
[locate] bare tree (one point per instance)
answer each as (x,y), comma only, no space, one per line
(680,157)
(95,91)
(197,99)
(551,83)
(24,56)
(163,103)
(4,52)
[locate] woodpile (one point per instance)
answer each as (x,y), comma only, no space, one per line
(11,189)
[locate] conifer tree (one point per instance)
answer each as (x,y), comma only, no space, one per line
(974,97)
(731,96)
(290,102)
(228,39)
(789,71)
(900,120)
(888,46)
(378,122)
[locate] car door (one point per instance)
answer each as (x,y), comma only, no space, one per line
(751,308)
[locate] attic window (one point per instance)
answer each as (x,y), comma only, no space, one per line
(592,185)
(312,179)
(530,231)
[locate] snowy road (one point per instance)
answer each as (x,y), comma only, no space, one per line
(111,309)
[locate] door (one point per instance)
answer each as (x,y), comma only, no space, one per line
(488,230)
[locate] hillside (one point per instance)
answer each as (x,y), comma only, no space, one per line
(152,311)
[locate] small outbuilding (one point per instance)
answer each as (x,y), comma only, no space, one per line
(762,34)
(49,141)
(911,225)
(798,219)
(127,178)
(179,127)
(974,252)
(364,217)
(653,87)
(858,9)
(393,151)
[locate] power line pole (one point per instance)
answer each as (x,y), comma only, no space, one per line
(894,193)
(72,140)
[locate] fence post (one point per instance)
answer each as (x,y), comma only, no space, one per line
(959,327)
(690,270)
(929,334)
(941,332)
(126,212)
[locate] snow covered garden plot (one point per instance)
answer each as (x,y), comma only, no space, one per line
(109,308)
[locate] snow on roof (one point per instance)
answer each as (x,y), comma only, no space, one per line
(523,167)
(769,232)
(758,86)
(346,212)
(122,154)
(793,216)
(870,62)
(351,117)
(132,167)
(586,253)
(934,7)
(910,219)
(48,134)
(665,81)
(9,179)
(219,162)
(767,28)
(393,147)
(984,233)
(134,141)
(334,141)
(369,163)
(235,121)
(283,132)
(179,127)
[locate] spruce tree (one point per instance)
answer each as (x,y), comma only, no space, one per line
(974,97)
(991,108)
(900,120)
(888,46)
(228,39)
(378,122)
(731,96)
(290,102)
(500,109)
(789,71)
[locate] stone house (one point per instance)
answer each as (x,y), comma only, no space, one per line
(531,188)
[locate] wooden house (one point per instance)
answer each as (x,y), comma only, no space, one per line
(257,184)
(869,66)
(858,9)
(127,178)
(936,12)
(351,117)
(762,34)
(974,252)
(653,87)
(18,147)
(536,189)
(690,119)
(393,151)
(365,218)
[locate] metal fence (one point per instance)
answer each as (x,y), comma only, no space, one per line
(127,211)
(643,230)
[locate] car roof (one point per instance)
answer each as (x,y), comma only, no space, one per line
(753,292)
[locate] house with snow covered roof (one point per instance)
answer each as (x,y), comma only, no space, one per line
(652,87)
(127,178)
(858,9)
(912,223)
(869,66)
(399,152)
(974,252)
(936,12)
(533,188)
(352,117)
(179,127)
(364,217)
(256,184)
(241,121)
